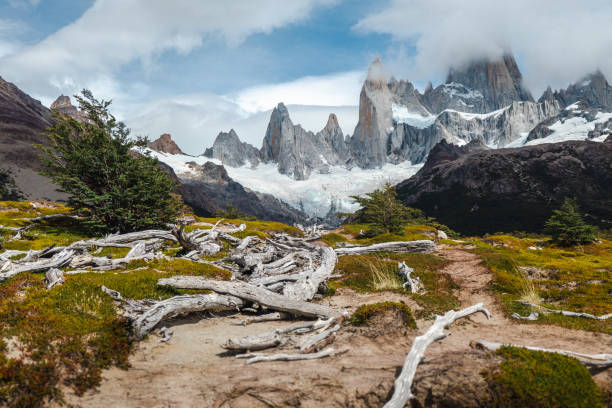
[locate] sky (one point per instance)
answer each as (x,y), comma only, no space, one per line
(194,68)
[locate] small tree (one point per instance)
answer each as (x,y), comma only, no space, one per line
(8,189)
(384,210)
(94,161)
(567,227)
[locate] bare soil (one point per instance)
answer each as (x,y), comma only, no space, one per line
(192,369)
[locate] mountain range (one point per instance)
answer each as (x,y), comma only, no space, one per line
(298,174)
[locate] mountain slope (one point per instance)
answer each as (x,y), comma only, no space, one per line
(22,122)
(487,191)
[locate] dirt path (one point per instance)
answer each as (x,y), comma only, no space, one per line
(192,371)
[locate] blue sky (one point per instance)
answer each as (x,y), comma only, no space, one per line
(194,68)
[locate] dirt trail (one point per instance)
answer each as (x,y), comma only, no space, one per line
(192,371)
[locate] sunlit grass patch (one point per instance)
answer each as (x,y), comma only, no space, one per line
(365,313)
(576,279)
(379,272)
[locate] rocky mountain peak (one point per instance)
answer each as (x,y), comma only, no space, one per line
(332,123)
(482,86)
(377,75)
(231,151)
(62,101)
(165,144)
(64,106)
(593,89)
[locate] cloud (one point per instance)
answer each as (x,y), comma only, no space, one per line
(340,89)
(113,33)
(9,29)
(24,3)
(555,41)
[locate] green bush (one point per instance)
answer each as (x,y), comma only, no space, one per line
(94,161)
(532,379)
(567,227)
(384,211)
(365,312)
(8,188)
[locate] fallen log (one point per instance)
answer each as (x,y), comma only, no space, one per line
(251,293)
(180,305)
(57,261)
(268,317)
(255,342)
(258,357)
(400,246)
(403,383)
(567,313)
(594,362)
(532,316)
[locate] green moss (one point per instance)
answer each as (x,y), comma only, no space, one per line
(68,335)
(408,233)
(332,239)
(575,279)
(358,274)
(364,313)
(528,379)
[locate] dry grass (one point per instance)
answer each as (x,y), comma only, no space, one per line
(384,274)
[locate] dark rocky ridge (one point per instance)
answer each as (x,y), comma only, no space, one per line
(487,191)
(211,190)
(22,123)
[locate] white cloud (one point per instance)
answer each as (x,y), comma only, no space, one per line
(340,89)
(9,30)
(24,3)
(555,41)
(113,33)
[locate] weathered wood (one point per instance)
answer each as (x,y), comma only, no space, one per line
(318,341)
(268,317)
(54,277)
(532,316)
(255,342)
(180,305)
(259,357)
(306,288)
(52,216)
(403,383)
(568,313)
(595,362)
(57,261)
(406,271)
(400,246)
(251,293)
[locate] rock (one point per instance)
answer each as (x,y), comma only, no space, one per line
(210,189)
(63,105)
(165,144)
(593,89)
(487,191)
(480,87)
(22,123)
(441,234)
(368,144)
(299,152)
(232,152)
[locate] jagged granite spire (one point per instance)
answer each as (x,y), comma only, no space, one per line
(368,144)
(299,152)
(63,105)
(593,89)
(480,87)
(231,151)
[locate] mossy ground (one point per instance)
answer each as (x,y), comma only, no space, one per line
(68,335)
(358,274)
(364,313)
(577,279)
(350,233)
(532,379)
